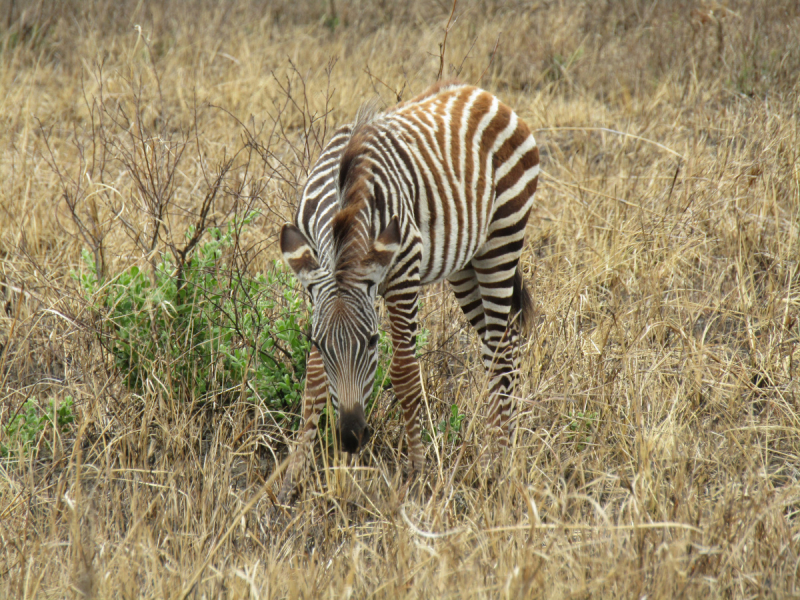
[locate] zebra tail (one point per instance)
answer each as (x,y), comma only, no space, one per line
(522,302)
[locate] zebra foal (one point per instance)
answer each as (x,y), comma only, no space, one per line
(437,187)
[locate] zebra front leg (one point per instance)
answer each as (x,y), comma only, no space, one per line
(314,398)
(404,369)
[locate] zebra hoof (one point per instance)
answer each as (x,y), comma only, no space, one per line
(485,471)
(273,521)
(414,486)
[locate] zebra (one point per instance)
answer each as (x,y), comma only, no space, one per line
(438,187)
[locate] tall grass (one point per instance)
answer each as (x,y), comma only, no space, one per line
(658,446)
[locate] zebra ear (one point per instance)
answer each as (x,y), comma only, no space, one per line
(297,253)
(376,263)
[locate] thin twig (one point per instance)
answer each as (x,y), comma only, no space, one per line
(491,58)
(443,45)
(463,60)
(428,534)
(624,133)
(398,95)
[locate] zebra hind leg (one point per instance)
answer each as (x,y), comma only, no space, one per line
(504,304)
(467,292)
(498,349)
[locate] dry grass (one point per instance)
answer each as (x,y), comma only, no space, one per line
(658,452)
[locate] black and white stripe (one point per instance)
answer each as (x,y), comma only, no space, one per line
(438,187)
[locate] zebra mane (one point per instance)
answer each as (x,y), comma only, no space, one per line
(350,233)
(350,236)
(355,150)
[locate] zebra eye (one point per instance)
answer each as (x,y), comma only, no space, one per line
(373,341)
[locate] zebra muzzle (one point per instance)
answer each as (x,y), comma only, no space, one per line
(353,430)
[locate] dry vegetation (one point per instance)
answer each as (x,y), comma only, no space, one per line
(658,452)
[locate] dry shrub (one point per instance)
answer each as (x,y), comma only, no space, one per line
(658,443)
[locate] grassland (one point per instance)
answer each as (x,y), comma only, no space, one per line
(658,446)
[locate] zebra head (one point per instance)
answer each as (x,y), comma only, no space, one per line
(345,322)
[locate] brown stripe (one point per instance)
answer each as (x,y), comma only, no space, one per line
(527,161)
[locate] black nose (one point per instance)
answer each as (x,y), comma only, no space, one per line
(353,430)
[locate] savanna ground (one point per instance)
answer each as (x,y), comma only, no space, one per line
(658,445)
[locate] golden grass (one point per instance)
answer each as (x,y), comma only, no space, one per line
(658,451)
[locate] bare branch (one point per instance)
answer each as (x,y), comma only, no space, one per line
(443,45)
(491,59)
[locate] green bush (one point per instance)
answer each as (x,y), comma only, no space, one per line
(581,428)
(24,429)
(450,425)
(203,331)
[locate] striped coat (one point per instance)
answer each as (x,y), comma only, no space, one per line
(439,187)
